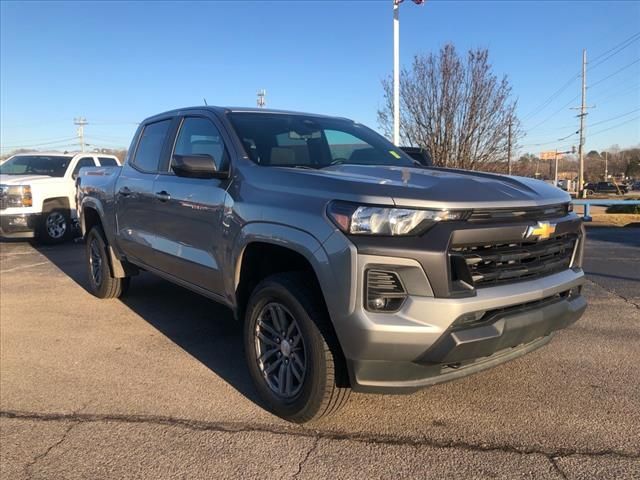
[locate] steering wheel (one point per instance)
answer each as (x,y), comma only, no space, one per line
(339,161)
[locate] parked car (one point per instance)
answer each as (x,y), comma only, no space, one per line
(37,193)
(419,154)
(350,266)
(606,187)
(635,186)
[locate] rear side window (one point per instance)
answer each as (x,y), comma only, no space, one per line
(83,162)
(108,162)
(147,155)
(199,135)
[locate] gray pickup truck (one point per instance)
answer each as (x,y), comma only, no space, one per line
(351,265)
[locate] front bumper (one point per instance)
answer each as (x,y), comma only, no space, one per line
(425,342)
(18,226)
(442,332)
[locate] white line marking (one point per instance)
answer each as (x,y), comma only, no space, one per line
(23,266)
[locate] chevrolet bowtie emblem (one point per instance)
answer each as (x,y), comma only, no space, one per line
(541,231)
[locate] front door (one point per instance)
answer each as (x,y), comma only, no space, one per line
(189,211)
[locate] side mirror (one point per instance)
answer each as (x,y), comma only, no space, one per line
(201,165)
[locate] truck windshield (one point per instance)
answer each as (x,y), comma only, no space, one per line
(51,166)
(305,141)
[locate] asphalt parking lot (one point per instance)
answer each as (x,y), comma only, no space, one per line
(154,386)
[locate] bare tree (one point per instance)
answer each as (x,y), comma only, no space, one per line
(457,109)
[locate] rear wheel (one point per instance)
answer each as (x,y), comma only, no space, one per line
(293,356)
(101,279)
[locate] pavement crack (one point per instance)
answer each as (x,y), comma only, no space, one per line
(614,293)
(553,460)
(29,466)
(243,427)
(306,457)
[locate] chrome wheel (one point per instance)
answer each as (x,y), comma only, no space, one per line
(95,261)
(56,225)
(280,350)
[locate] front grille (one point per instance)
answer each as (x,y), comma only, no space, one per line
(3,197)
(519,214)
(499,263)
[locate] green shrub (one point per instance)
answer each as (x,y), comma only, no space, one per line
(624,208)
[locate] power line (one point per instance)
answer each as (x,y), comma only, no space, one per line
(614,73)
(603,57)
(615,126)
(618,48)
(616,117)
(38,144)
(553,96)
(554,113)
(550,141)
(617,93)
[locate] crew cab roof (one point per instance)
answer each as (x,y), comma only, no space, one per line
(222,110)
(64,154)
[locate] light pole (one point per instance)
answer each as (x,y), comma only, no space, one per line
(396,68)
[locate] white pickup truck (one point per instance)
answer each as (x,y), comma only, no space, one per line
(37,193)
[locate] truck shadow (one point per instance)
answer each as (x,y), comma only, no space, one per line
(201,327)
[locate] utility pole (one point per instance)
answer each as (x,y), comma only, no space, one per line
(80,122)
(509,149)
(606,159)
(583,113)
(555,177)
(262,98)
(396,73)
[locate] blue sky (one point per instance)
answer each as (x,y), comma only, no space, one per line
(117,62)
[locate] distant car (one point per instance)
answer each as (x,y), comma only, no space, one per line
(37,193)
(419,154)
(606,187)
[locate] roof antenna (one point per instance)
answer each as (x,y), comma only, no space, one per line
(205,102)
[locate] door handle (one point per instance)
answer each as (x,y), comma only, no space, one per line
(125,191)
(163,196)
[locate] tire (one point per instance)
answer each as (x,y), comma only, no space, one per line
(101,281)
(314,383)
(55,226)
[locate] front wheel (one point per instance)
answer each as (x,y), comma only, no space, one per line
(101,280)
(292,353)
(55,226)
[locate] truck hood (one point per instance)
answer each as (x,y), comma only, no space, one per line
(27,179)
(430,187)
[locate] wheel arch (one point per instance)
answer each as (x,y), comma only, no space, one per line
(262,249)
(52,203)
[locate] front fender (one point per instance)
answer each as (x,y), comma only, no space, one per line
(89,202)
(294,239)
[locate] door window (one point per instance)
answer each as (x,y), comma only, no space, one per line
(199,135)
(108,162)
(149,149)
(83,162)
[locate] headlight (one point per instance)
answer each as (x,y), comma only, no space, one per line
(372,220)
(18,196)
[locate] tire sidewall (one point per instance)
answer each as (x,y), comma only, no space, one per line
(95,235)
(315,376)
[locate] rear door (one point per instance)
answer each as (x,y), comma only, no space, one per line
(189,211)
(135,197)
